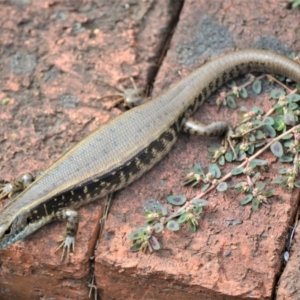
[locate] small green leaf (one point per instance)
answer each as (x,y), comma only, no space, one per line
(270,193)
(195,183)
(158,227)
(214,170)
(280,180)
(198,169)
(269,130)
(260,185)
(252,138)
(230,102)
(289,119)
(297,184)
(199,202)
(222,187)
(188,181)
(221,160)
(293,106)
(252,164)
(255,204)
(176,199)
(287,144)
(177,213)
(137,234)
(283,171)
(243,92)
(277,149)
(238,185)
(163,210)
(293,97)
(277,93)
(295,3)
(288,136)
(241,156)
(173,225)
(182,218)
(260,162)
(286,158)
(154,243)
(205,187)
(246,199)
(251,149)
(255,177)
(258,110)
(229,156)
(268,120)
(258,123)
(192,226)
(277,106)
(213,148)
(279,123)
(153,206)
(257,145)
(257,87)
(198,210)
(260,135)
(237,171)
(136,246)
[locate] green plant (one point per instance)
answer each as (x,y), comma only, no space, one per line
(158,218)
(276,130)
(295,3)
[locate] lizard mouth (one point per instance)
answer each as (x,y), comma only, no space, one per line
(5,235)
(8,237)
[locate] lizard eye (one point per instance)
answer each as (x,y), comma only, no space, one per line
(4,229)
(8,230)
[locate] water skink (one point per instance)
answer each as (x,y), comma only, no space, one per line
(122,150)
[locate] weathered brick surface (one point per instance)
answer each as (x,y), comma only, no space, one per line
(50,54)
(220,261)
(289,284)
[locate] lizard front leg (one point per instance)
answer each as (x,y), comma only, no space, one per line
(20,184)
(68,244)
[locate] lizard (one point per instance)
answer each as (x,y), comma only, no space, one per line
(122,150)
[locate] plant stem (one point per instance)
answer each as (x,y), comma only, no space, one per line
(248,160)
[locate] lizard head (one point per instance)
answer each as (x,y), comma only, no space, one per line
(13,229)
(4,232)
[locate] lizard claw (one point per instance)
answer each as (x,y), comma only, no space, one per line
(20,184)
(67,244)
(6,191)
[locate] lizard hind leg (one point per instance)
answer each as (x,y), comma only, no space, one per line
(214,129)
(218,128)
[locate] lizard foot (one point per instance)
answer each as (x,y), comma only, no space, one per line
(67,244)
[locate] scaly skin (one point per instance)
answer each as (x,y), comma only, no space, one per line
(122,150)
